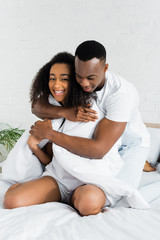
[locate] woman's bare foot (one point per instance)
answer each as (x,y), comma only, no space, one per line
(148,167)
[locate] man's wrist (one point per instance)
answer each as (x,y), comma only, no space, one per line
(63,112)
(51,135)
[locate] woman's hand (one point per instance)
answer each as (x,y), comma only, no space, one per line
(44,155)
(81,114)
(33,143)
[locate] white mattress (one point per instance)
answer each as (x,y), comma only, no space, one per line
(61,222)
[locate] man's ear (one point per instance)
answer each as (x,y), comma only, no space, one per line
(106,67)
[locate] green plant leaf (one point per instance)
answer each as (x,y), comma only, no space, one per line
(8,137)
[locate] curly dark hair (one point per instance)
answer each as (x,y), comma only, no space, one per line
(40,89)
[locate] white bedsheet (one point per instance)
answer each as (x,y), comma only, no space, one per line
(61,222)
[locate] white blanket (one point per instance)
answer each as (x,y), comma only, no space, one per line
(61,222)
(21,165)
(91,172)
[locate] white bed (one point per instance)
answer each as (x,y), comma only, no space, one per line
(61,222)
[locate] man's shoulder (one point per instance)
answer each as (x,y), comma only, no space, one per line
(113,83)
(118,83)
(115,78)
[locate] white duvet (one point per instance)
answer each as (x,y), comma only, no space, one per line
(61,222)
(21,165)
(90,172)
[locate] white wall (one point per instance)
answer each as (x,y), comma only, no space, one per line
(32,31)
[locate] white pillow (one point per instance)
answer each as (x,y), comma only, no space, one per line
(154,152)
(21,164)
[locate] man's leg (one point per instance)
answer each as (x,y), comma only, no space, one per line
(34,192)
(134,160)
(88,199)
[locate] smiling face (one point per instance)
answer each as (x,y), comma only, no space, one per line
(90,74)
(59,81)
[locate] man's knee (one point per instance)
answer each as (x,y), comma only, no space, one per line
(89,200)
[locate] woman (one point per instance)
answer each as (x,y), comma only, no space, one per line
(56,78)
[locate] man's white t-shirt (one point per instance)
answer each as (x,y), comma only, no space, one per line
(119,101)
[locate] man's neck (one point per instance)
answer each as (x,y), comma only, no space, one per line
(101,85)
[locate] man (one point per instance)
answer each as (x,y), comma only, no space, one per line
(118,99)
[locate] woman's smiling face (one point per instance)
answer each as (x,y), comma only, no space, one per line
(59,81)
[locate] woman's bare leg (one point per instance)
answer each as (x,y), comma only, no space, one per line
(34,192)
(88,199)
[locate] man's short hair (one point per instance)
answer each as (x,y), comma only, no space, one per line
(90,49)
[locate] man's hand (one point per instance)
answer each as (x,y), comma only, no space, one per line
(41,129)
(81,114)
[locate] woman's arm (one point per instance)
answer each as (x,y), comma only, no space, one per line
(45,155)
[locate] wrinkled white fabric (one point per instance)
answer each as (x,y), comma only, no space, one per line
(70,169)
(21,164)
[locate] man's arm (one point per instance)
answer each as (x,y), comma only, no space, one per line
(106,134)
(48,111)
